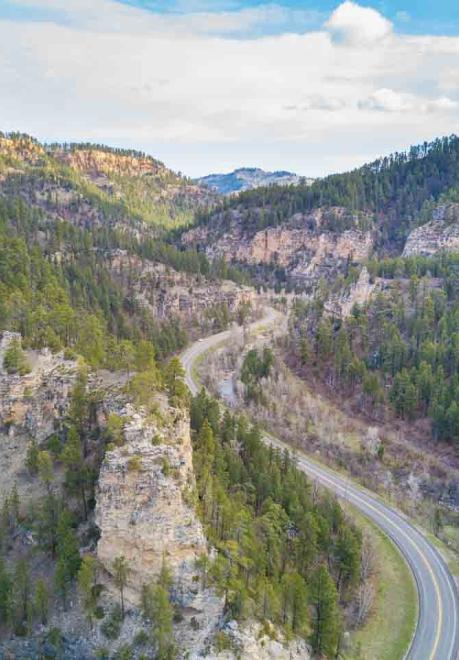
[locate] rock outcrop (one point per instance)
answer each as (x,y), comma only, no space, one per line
(31,406)
(358,293)
(167,293)
(441,233)
(253,641)
(96,161)
(144,506)
(305,247)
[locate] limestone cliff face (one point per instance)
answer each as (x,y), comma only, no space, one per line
(106,168)
(167,293)
(31,406)
(441,233)
(303,246)
(94,161)
(251,642)
(22,148)
(358,293)
(143,507)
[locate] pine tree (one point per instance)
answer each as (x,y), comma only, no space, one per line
(87,583)
(77,476)
(175,385)
(21,595)
(45,468)
(326,620)
(121,573)
(68,555)
(41,602)
(162,617)
(5,593)
(79,403)
(32,458)
(47,522)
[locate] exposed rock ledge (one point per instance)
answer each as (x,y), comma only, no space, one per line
(441,233)
(252,642)
(143,509)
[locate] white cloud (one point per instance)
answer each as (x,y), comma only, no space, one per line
(189,18)
(355,25)
(387,100)
(175,86)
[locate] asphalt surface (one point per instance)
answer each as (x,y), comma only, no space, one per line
(436,636)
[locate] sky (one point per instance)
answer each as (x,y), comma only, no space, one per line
(311,86)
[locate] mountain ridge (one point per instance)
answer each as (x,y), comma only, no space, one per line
(249,178)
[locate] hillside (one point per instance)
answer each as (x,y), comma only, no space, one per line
(298,235)
(108,185)
(83,235)
(131,524)
(248,178)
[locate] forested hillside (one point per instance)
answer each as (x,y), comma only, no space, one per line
(399,350)
(64,213)
(285,554)
(394,190)
(86,252)
(110,185)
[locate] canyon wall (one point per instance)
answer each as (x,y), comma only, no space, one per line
(144,503)
(441,233)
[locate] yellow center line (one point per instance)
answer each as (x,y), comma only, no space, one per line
(344,486)
(420,552)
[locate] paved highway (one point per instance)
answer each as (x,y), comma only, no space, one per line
(437,632)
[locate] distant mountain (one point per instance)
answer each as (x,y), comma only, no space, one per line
(248,178)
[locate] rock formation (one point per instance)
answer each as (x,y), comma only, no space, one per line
(31,406)
(358,294)
(144,504)
(441,233)
(254,642)
(304,246)
(167,293)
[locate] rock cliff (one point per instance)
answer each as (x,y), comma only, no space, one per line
(144,504)
(31,406)
(358,293)
(253,641)
(167,293)
(441,233)
(305,246)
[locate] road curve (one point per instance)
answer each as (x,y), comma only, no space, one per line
(437,632)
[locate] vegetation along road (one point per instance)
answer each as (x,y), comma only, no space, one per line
(437,632)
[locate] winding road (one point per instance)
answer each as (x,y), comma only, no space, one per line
(436,636)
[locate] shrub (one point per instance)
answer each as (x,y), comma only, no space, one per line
(111,627)
(14,359)
(222,641)
(69,354)
(166,466)
(141,638)
(134,464)
(99,612)
(114,431)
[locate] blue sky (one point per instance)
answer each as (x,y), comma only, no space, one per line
(440,17)
(312,87)
(412,16)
